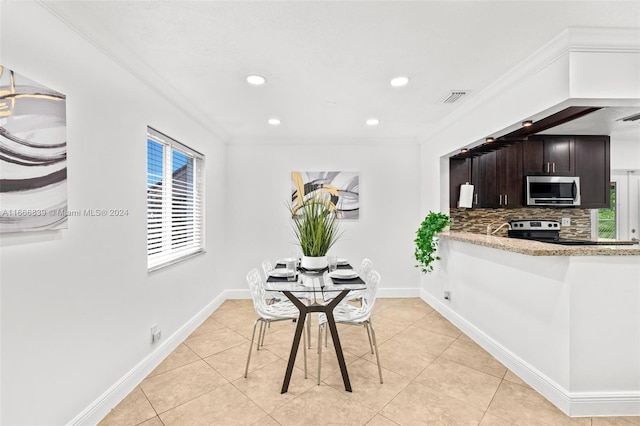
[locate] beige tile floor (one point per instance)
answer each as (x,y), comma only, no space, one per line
(433,375)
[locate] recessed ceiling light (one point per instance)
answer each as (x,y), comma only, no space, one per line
(373,122)
(527,123)
(399,81)
(274,121)
(489,139)
(464,150)
(256,80)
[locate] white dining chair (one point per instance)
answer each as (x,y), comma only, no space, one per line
(267,266)
(366,266)
(274,296)
(267,313)
(346,313)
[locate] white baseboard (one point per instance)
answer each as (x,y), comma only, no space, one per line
(573,404)
(97,410)
(605,404)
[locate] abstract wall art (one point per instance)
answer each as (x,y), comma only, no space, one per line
(33,155)
(341,188)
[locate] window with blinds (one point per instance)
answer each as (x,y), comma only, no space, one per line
(174,200)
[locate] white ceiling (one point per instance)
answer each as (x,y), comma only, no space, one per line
(327,63)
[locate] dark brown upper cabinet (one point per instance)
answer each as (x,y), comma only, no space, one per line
(552,155)
(593,167)
(501,183)
(498,176)
(459,174)
(465,170)
(476,180)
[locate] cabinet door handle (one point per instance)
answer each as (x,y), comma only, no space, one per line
(475,198)
(505,200)
(500,199)
(547,167)
(554,167)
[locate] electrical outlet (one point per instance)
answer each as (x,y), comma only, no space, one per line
(566,221)
(155,333)
(447,295)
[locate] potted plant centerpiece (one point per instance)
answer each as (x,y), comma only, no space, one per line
(316,227)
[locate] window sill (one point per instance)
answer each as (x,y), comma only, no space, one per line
(177,260)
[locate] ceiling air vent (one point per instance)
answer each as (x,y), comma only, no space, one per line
(634,117)
(453,96)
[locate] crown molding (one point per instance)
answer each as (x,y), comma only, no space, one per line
(600,39)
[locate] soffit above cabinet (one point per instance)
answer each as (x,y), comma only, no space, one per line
(570,121)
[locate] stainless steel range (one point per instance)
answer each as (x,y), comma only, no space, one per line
(547,231)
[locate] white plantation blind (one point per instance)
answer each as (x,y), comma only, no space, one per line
(174,200)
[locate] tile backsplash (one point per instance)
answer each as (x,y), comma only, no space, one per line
(476,220)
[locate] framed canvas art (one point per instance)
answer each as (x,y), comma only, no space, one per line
(340,188)
(33,155)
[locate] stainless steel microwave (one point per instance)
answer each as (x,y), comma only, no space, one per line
(559,191)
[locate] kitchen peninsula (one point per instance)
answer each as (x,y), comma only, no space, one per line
(565,319)
(537,248)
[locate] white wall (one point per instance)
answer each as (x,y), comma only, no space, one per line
(558,322)
(259,226)
(494,301)
(77,304)
(625,153)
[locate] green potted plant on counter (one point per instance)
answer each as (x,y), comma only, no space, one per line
(316,228)
(426,242)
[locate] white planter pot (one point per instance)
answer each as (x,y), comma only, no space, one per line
(310,262)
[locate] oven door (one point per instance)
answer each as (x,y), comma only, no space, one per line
(552,191)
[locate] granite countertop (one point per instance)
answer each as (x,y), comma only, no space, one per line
(536,248)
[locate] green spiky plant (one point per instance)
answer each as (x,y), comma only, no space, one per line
(316,226)
(426,244)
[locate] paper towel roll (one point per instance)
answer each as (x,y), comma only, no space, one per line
(466,196)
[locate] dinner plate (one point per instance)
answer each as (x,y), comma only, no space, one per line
(343,261)
(280,272)
(284,260)
(343,273)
